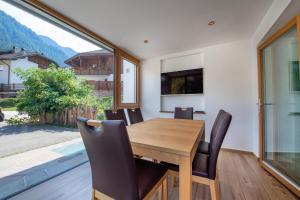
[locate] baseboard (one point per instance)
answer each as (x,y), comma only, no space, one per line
(237,150)
(240,151)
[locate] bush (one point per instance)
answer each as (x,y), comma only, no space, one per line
(8,102)
(103,104)
(17,120)
(51,91)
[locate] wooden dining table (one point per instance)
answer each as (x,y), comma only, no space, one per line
(170,140)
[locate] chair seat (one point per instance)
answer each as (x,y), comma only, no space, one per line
(203,147)
(200,165)
(148,174)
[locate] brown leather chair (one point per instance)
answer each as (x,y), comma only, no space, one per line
(204,167)
(116,173)
(135,115)
(118,114)
(183,113)
(203,146)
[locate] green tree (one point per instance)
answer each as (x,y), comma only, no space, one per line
(51,90)
(103,104)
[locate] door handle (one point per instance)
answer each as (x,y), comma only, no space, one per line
(264,104)
(261,105)
(268,104)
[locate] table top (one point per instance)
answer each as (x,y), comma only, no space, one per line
(177,136)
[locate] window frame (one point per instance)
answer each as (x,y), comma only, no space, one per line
(119,56)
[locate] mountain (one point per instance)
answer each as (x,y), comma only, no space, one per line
(12,33)
(67,50)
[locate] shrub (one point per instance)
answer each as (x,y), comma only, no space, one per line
(8,102)
(103,104)
(51,90)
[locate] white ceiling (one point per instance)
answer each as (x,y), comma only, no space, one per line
(292,10)
(169,25)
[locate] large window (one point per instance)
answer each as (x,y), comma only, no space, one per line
(127,81)
(50,74)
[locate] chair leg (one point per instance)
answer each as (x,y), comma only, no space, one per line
(174,181)
(93,194)
(213,184)
(165,189)
(214,189)
(160,192)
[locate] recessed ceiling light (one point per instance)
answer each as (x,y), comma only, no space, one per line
(211,23)
(146,41)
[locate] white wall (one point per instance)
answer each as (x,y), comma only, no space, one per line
(177,63)
(24,64)
(227,84)
(3,73)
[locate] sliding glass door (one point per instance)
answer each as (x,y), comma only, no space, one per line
(280,106)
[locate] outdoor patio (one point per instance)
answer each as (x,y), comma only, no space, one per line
(25,170)
(16,139)
(33,153)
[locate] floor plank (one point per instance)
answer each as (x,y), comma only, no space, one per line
(241,178)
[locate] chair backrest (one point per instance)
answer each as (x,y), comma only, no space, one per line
(116,115)
(215,145)
(111,158)
(216,124)
(135,115)
(183,113)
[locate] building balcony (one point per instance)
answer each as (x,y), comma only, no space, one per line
(14,87)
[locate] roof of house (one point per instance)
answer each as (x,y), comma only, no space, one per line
(15,54)
(89,53)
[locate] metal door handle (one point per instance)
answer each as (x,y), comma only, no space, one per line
(268,104)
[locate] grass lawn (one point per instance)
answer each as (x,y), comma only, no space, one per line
(10,109)
(8,104)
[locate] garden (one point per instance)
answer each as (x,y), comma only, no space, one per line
(54,96)
(8,104)
(45,112)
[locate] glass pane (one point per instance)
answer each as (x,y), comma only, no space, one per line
(65,77)
(128,82)
(281,77)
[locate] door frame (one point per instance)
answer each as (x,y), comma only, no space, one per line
(295,21)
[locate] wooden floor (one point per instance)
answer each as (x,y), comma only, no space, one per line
(241,177)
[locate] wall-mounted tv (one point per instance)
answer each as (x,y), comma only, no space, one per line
(182,82)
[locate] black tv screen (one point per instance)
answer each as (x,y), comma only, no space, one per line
(182,82)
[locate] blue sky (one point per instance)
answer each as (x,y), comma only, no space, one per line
(41,27)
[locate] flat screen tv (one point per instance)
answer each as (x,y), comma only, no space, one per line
(182,82)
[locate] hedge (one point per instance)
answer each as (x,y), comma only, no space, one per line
(8,102)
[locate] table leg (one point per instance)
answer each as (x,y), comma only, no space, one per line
(185,178)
